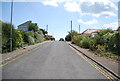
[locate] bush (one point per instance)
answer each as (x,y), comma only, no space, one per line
(31,40)
(114,43)
(6,37)
(101,48)
(76,39)
(20,38)
(38,37)
(85,42)
(33,27)
(99,40)
(17,38)
(68,38)
(103,32)
(25,36)
(92,46)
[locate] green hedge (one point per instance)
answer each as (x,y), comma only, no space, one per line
(107,40)
(19,38)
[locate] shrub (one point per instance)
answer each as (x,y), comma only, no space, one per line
(106,54)
(68,38)
(92,45)
(114,43)
(6,37)
(85,42)
(38,37)
(17,38)
(101,48)
(33,27)
(25,36)
(71,35)
(99,40)
(76,39)
(31,40)
(103,32)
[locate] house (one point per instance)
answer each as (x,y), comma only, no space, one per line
(24,26)
(118,28)
(91,32)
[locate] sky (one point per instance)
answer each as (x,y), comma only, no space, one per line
(57,14)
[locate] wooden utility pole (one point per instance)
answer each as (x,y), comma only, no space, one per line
(11,47)
(71,31)
(79,29)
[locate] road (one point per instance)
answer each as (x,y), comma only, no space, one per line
(54,60)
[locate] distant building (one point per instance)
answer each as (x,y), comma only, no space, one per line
(91,32)
(24,26)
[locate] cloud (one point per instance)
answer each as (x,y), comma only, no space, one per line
(93,21)
(51,3)
(72,7)
(95,8)
(54,3)
(105,13)
(113,25)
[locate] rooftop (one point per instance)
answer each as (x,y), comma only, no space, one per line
(88,31)
(26,24)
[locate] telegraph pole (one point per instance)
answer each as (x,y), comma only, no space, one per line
(71,30)
(79,29)
(11,26)
(47,28)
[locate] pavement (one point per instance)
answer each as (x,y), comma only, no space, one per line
(105,61)
(20,51)
(54,60)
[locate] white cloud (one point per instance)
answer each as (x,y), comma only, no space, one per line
(54,3)
(98,8)
(105,13)
(113,25)
(72,7)
(95,8)
(51,3)
(93,21)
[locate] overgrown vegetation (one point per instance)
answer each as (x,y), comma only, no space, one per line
(107,43)
(21,38)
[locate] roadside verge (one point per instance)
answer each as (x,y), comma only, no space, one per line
(108,64)
(12,55)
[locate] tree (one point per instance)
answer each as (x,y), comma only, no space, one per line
(33,27)
(68,37)
(44,32)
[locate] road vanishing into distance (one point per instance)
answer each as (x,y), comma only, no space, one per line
(53,60)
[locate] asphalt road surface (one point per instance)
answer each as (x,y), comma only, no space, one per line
(54,60)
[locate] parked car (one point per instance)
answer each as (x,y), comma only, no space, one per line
(61,39)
